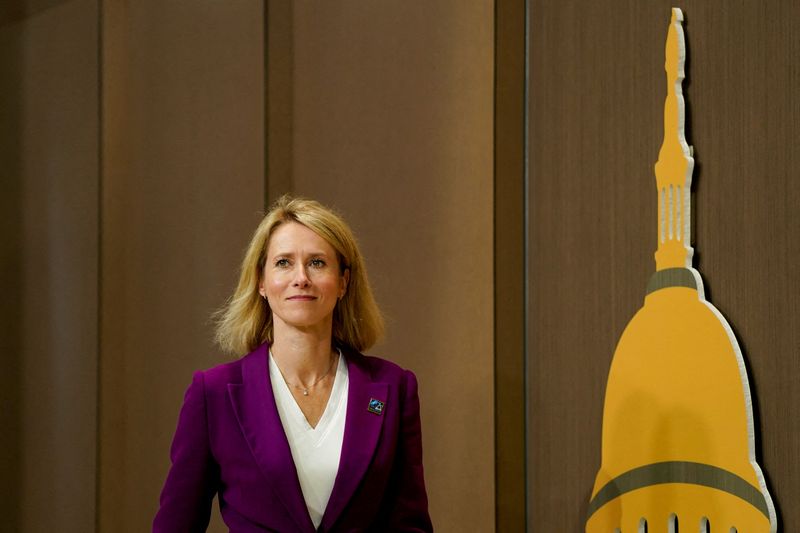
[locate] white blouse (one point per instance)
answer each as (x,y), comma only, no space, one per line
(316,451)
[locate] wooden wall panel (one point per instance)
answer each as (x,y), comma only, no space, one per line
(597,89)
(392,124)
(48,279)
(183,189)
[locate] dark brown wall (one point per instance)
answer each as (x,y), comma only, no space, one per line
(597,89)
(48,277)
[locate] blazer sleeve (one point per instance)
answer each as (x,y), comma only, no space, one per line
(193,478)
(409,508)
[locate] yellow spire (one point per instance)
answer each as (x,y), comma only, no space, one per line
(675,163)
(678,442)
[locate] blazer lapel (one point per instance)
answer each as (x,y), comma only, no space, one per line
(257,414)
(361,432)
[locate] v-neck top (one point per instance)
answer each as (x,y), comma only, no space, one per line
(316,450)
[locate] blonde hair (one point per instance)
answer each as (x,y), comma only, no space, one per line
(245,321)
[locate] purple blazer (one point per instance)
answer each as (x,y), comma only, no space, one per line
(230,442)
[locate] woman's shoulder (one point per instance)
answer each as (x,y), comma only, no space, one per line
(223,369)
(382,370)
(231,371)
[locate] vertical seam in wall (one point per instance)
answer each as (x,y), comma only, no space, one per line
(494,261)
(494,271)
(509,351)
(265,81)
(526,257)
(99,266)
(278,126)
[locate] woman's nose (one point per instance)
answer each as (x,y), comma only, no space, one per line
(301,277)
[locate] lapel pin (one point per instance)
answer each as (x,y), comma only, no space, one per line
(375,406)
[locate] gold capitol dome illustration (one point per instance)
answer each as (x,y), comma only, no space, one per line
(678,436)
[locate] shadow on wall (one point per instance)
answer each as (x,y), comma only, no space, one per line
(10,266)
(15,10)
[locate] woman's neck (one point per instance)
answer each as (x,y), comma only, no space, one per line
(302,356)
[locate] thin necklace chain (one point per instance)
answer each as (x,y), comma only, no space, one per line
(305,389)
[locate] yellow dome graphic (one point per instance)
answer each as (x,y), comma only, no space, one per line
(678,435)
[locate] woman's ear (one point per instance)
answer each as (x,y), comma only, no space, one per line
(345,282)
(261,290)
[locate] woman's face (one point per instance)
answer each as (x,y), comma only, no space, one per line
(302,279)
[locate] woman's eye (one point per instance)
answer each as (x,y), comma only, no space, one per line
(317,263)
(282,263)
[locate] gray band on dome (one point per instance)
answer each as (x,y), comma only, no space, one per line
(671,277)
(679,472)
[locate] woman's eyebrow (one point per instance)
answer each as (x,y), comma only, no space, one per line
(305,254)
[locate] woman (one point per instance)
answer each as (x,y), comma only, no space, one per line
(304,433)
